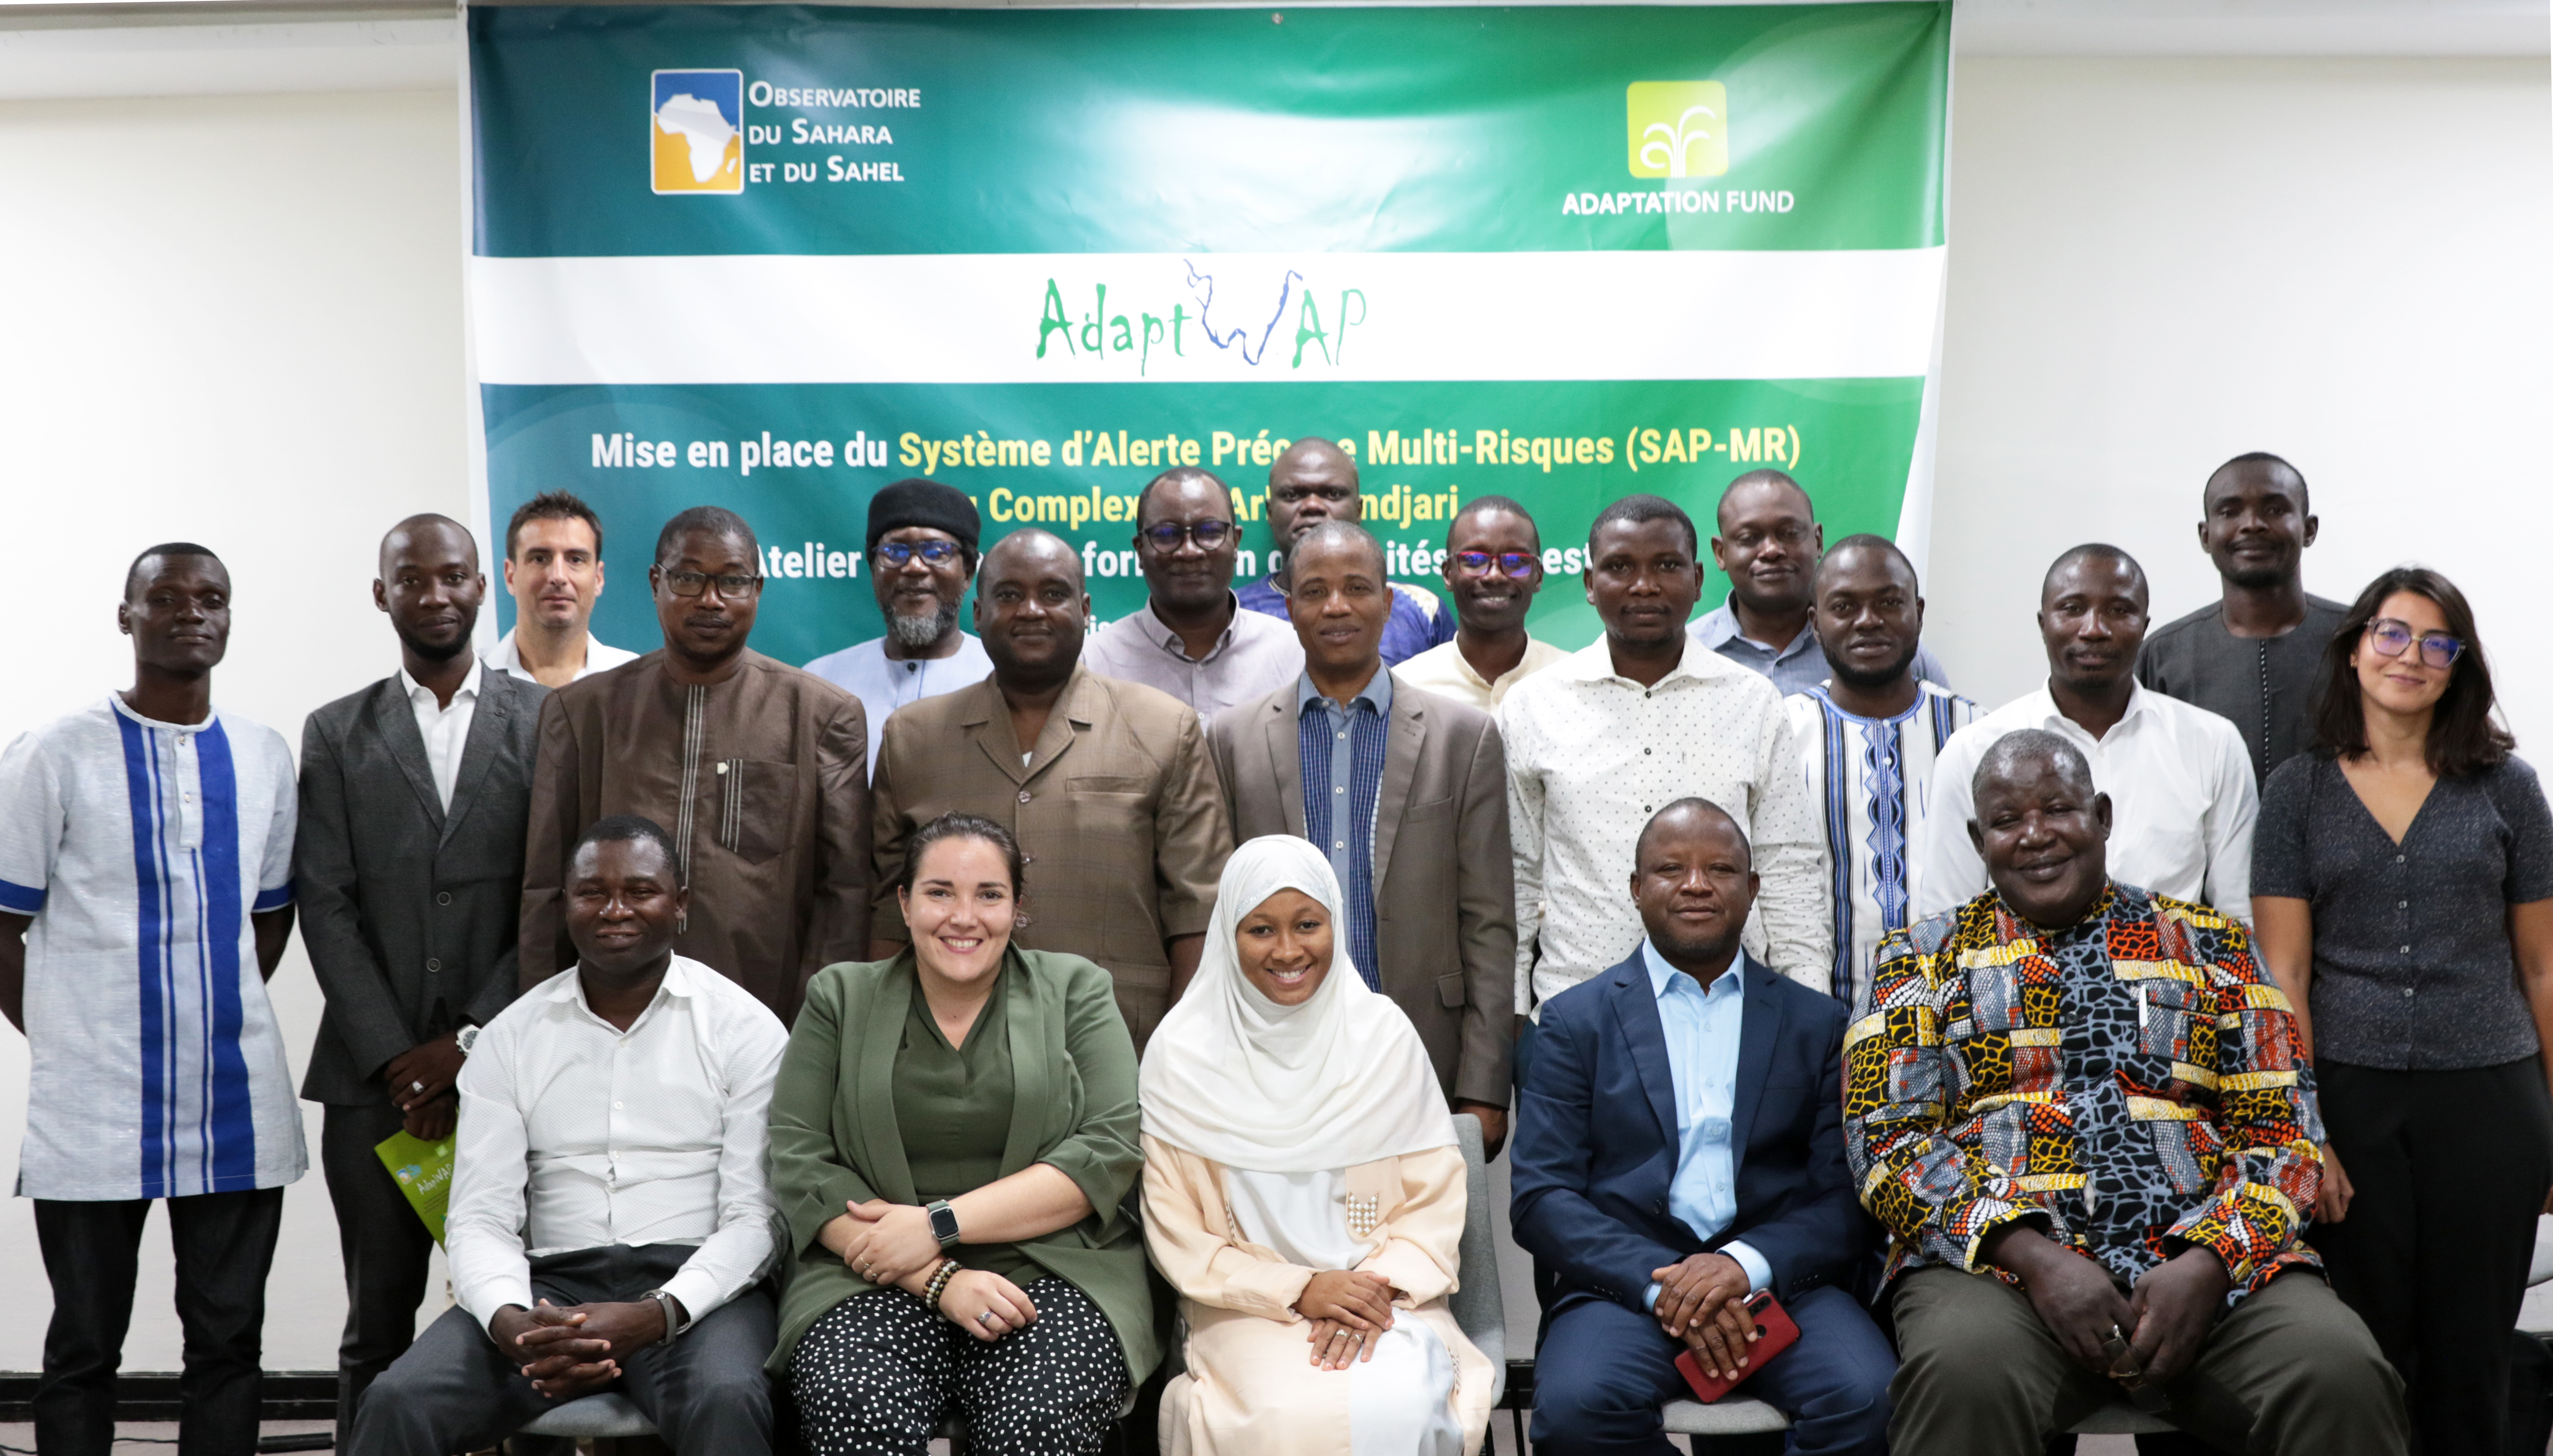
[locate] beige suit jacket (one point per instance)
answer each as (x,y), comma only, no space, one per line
(1444,901)
(1116,809)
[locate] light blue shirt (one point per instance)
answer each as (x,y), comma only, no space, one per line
(1702,1032)
(884,684)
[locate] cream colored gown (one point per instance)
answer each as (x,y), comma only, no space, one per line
(1241,1246)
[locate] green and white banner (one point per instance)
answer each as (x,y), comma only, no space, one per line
(775,257)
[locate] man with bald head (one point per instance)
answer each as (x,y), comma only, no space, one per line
(759,770)
(146,896)
(1106,784)
(415,798)
(1313,480)
(1406,794)
(1768,543)
(2085,1117)
(2177,778)
(2254,654)
(1190,639)
(1678,1149)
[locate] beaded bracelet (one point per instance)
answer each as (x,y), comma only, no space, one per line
(938,1285)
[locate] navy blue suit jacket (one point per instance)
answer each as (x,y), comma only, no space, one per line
(1596,1143)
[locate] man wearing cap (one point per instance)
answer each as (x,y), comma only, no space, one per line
(922,556)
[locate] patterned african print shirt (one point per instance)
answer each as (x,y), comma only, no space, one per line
(2132,1083)
(1872,779)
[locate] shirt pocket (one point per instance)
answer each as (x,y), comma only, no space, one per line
(754,807)
(2173,1027)
(1431,810)
(2187,1146)
(1117,808)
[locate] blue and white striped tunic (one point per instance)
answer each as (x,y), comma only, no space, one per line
(140,849)
(1872,780)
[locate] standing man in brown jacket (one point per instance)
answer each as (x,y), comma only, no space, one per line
(1105,783)
(1407,793)
(759,770)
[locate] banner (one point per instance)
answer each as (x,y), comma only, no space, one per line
(776,256)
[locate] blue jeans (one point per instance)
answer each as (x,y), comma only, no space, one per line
(1603,1372)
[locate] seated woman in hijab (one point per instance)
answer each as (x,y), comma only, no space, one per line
(1303,1192)
(952,1144)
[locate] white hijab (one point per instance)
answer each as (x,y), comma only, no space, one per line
(1339,1081)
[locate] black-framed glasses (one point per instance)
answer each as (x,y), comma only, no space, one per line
(2391,638)
(732,585)
(1207,534)
(1517,564)
(935,553)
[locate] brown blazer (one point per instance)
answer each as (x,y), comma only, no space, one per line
(1444,902)
(776,781)
(1117,811)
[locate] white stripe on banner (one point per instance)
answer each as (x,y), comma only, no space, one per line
(978,320)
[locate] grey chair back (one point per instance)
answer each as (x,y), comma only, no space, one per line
(1475,1303)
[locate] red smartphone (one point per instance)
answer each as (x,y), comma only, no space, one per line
(1779,1334)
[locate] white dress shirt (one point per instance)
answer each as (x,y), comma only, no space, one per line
(2181,801)
(446,731)
(507,658)
(577,1135)
(1445,671)
(1591,755)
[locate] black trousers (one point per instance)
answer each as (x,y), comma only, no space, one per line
(380,1241)
(454,1390)
(224,1244)
(2450,1171)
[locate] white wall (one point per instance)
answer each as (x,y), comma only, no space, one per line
(237,319)
(2156,264)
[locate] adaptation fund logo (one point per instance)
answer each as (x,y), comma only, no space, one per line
(1679,129)
(696,125)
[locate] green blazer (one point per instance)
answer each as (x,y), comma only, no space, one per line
(835,1140)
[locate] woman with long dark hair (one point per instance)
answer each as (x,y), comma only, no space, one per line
(2402,884)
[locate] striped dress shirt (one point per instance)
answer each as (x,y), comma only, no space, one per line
(1342,751)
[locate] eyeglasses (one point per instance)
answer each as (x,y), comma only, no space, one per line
(1517,564)
(1208,534)
(2391,638)
(935,553)
(730,584)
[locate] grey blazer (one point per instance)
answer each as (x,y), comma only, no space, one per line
(409,913)
(1444,902)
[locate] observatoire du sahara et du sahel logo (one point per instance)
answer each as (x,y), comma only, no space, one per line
(696,121)
(1679,129)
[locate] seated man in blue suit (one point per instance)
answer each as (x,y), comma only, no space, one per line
(1679,1144)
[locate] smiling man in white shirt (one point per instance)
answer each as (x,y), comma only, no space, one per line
(2179,779)
(611,1217)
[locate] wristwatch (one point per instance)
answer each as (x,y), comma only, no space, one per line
(675,1324)
(944,1223)
(464,1039)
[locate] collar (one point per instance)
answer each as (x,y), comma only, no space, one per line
(1718,627)
(1594,664)
(988,701)
(678,982)
(468,685)
(1662,977)
(1159,633)
(2048,715)
(1376,694)
(1924,693)
(2033,930)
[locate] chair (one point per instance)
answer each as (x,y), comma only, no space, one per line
(604,1417)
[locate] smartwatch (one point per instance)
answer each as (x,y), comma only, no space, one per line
(944,1223)
(672,1309)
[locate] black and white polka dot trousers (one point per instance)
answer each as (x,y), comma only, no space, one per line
(880,1373)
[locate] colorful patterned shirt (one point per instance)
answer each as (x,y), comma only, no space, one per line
(2131,1082)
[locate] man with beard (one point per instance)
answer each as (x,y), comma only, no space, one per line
(1314,481)
(1106,785)
(1769,542)
(146,896)
(1493,569)
(2255,655)
(415,794)
(922,555)
(1190,639)
(2178,782)
(760,771)
(1870,736)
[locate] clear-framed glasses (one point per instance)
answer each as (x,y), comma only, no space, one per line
(732,585)
(935,553)
(1207,534)
(1517,564)
(2391,638)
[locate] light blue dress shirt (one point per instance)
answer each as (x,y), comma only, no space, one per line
(1702,1032)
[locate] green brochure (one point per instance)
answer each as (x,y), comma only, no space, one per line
(424,1174)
